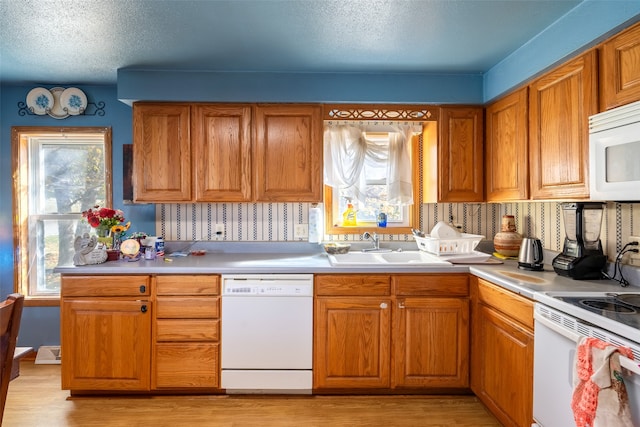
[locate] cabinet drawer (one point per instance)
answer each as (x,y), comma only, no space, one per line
(352,284)
(104,286)
(186,365)
(187,330)
(515,306)
(188,285)
(431,285)
(196,307)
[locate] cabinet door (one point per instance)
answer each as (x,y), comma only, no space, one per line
(431,342)
(186,365)
(221,139)
(560,104)
(352,342)
(106,344)
(503,366)
(620,69)
(507,148)
(161,153)
(288,153)
(460,156)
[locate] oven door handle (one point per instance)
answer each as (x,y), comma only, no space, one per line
(625,362)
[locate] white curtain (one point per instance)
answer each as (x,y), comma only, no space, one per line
(347,150)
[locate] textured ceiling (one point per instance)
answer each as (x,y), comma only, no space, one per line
(85,42)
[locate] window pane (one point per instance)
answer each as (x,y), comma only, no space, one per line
(67,177)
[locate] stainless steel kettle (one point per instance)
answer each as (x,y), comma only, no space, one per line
(531,257)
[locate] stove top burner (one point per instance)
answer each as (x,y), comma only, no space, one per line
(610,307)
(608,304)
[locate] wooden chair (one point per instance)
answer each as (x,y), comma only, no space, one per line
(10,315)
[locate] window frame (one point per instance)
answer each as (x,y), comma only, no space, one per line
(21,242)
(414,210)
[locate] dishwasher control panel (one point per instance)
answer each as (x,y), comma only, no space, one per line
(266,285)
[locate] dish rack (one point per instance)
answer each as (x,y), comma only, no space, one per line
(464,244)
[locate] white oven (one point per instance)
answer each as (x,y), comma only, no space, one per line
(614,151)
(557,334)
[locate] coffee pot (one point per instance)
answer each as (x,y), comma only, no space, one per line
(530,256)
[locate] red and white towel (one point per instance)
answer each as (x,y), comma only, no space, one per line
(599,395)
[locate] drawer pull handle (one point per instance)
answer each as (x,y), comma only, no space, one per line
(400,304)
(143,289)
(143,308)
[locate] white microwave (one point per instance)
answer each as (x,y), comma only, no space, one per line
(614,154)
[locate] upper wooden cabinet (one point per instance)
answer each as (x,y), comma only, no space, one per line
(560,103)
(161,152)
(620,69)
(206,152)
(221,136)
(288,153)
(507,148)
(453,172)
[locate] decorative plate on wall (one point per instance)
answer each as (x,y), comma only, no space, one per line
(73,101)
(40,101)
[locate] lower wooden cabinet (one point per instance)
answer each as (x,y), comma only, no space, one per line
(391,332)
(105,333)
(186,348)
(502,352)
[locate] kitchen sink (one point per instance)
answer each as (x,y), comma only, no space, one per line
(385,259)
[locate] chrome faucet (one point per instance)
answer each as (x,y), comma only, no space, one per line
(374,238)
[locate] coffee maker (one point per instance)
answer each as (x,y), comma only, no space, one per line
(582,257)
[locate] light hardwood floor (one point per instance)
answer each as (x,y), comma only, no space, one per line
(35,400)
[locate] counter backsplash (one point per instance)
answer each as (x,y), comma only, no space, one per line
(266,222)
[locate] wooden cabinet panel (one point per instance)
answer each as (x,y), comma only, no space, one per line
(161,152)
(431,342)
(188,307)
(502,352)
(505,374)
(515,306)
(620,69)
(105,286)
(188,285)
(221,136)
(460,157)
(106,344)
(186,365)
(352,342)
(352,284)
(288,153)
(507,148)
(187,330)
(560,104)
(432,285)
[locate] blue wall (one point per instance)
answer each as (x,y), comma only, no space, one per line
(40,325)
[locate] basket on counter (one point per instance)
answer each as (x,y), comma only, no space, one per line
(464,244)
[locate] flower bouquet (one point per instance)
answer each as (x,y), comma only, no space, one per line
(106,221)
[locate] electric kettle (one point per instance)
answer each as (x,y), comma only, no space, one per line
(531,257)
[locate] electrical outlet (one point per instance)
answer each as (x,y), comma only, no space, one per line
(634,258)
(301,231)
(219,230)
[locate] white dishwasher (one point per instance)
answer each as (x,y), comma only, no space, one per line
(267,333)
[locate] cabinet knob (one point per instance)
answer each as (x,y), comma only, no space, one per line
(143,289)
(143,308)
(383,305)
